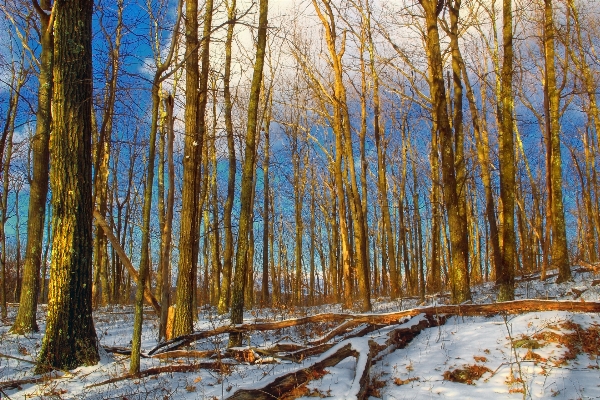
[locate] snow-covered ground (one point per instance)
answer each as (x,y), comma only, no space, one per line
(534,355)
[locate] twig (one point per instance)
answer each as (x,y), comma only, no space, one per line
(161,370)
(18,359)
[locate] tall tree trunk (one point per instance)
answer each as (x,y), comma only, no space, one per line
(25,321)
(70,339)
(195,110)
(460,286)
(342,130)
(145,261)
(266,215)
(299,223)
(102,157)
(224,299)
(311,284)
(241,266)
(505,275)
(214,203)
(560,255)
(165,269)
(17,80)
(482,145)
(275,271)
(435,280)
(134,366)
(382,184)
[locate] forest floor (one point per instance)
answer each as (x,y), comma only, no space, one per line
(464,355)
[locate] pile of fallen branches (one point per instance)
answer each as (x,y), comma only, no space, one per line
(349,337)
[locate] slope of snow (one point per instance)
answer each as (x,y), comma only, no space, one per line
(520,356)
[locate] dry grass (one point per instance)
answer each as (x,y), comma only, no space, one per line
(467,374)
(400,382)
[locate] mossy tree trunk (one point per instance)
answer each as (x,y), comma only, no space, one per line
(25,321)
(505,275)
(224,299)
(457,224)
(241,264)
(70,339)
(195,109)
(559,251)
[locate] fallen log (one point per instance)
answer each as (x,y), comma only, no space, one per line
(509,307)
(397,338)
(282,348)
(288,382)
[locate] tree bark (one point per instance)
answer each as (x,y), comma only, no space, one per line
(505,275)
(241,266)
(459,255)
(70,339)
(224,299)
(560,254)
(195,108)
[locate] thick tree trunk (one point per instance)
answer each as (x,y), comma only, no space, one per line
(505,275)
(70,339)
(195,109)
(457,224)
(560,254)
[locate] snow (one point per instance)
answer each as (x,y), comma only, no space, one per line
(541,368)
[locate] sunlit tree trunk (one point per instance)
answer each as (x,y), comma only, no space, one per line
(144,268)
(224,299)
(25,321)
(560,255)
(241,266)
(101,297)
(382,184)
(505,275)
(460,286)
(195,109)
(343,145)
(70,339)
(482,145)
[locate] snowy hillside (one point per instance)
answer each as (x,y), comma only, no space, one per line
(538,354)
